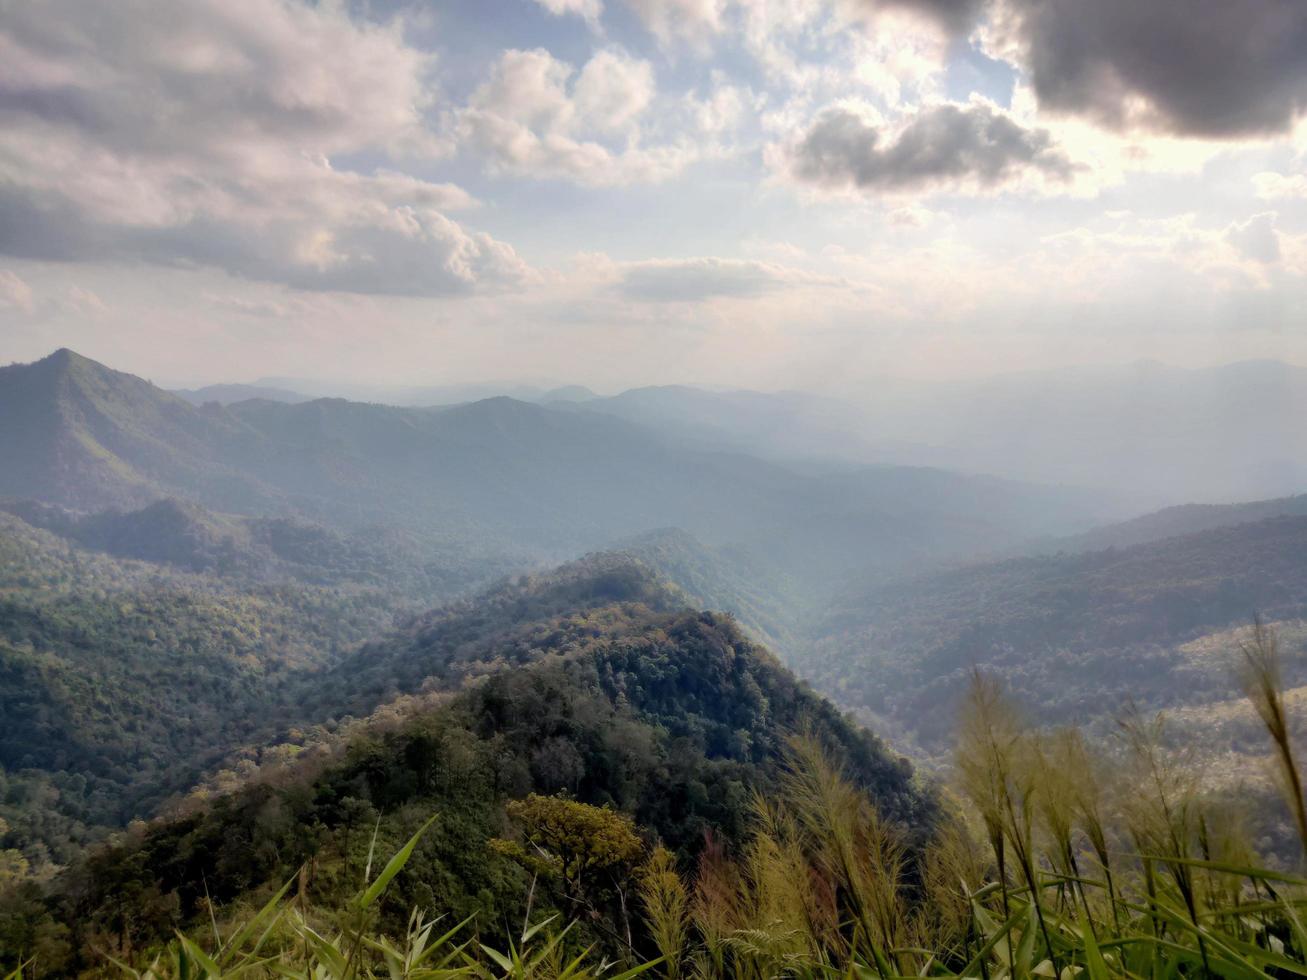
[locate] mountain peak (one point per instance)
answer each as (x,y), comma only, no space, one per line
(66,359)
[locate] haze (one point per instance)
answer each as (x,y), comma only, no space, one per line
(614,193)
(743,488)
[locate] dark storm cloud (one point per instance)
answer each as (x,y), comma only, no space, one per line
(1209,68)
(956,15)
(941,144)
(1215,68)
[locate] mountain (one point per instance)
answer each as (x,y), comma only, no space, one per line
(1182,519)
(411,396)
(1075,636)
(74,432)
(1156,433)
(567,393)
(1148,434)
(780,425)
(122,681)
(499,477)
(192,538)
(226,394)
(592,681)
(765,600)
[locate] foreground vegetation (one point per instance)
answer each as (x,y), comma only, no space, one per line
(1057,859)
(623,701)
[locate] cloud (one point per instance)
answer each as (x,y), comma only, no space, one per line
(537,116)
(207,137)
(1256,238)
(912,216)
(942,144)
(612,91)
(1188,67)
(83,301)
(262,308)
(1269,186)
(692,21)
(590,10)
(721,110)
(694,280)
(957,16)
(15,294)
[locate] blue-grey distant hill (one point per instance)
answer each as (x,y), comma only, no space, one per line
(229,393)
(501,474)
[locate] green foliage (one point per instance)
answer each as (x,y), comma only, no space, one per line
(816,892)
(1073,635)
(669,719)
(572,839)
(120,683)
(266,550)
(765,600)
(1126,870)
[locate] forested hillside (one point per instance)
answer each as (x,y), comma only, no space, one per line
(767,600)
(1076,635)
(182,534)
(591,681)
(1182,519)
(122,681)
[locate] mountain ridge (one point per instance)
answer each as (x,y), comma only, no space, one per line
(545,481)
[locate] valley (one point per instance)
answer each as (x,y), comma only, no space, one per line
(653,490)
(224,624)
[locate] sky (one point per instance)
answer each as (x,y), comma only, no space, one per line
(763,193)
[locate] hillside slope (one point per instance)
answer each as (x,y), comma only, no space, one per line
(499,476)
(121,681)
(76,433)
(589,682)
(1076,636)
(187,536)
(1183,519)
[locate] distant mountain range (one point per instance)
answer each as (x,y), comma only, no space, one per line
(1146,434)
(431,501)
(1183,519)
(1161,434)
(1077,636)
(404,396)
(245,616)
(498,475)
(232,393)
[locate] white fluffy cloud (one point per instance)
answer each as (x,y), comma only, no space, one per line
(15,294)
(206,137)
(694,21)
(590,10)
(537,116)
(1269,185)
(1256,238)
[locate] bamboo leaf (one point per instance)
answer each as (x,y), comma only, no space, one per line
(1094,963)
(392,868)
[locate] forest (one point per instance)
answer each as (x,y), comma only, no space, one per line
(297,734)
(669,489)
(460,842)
